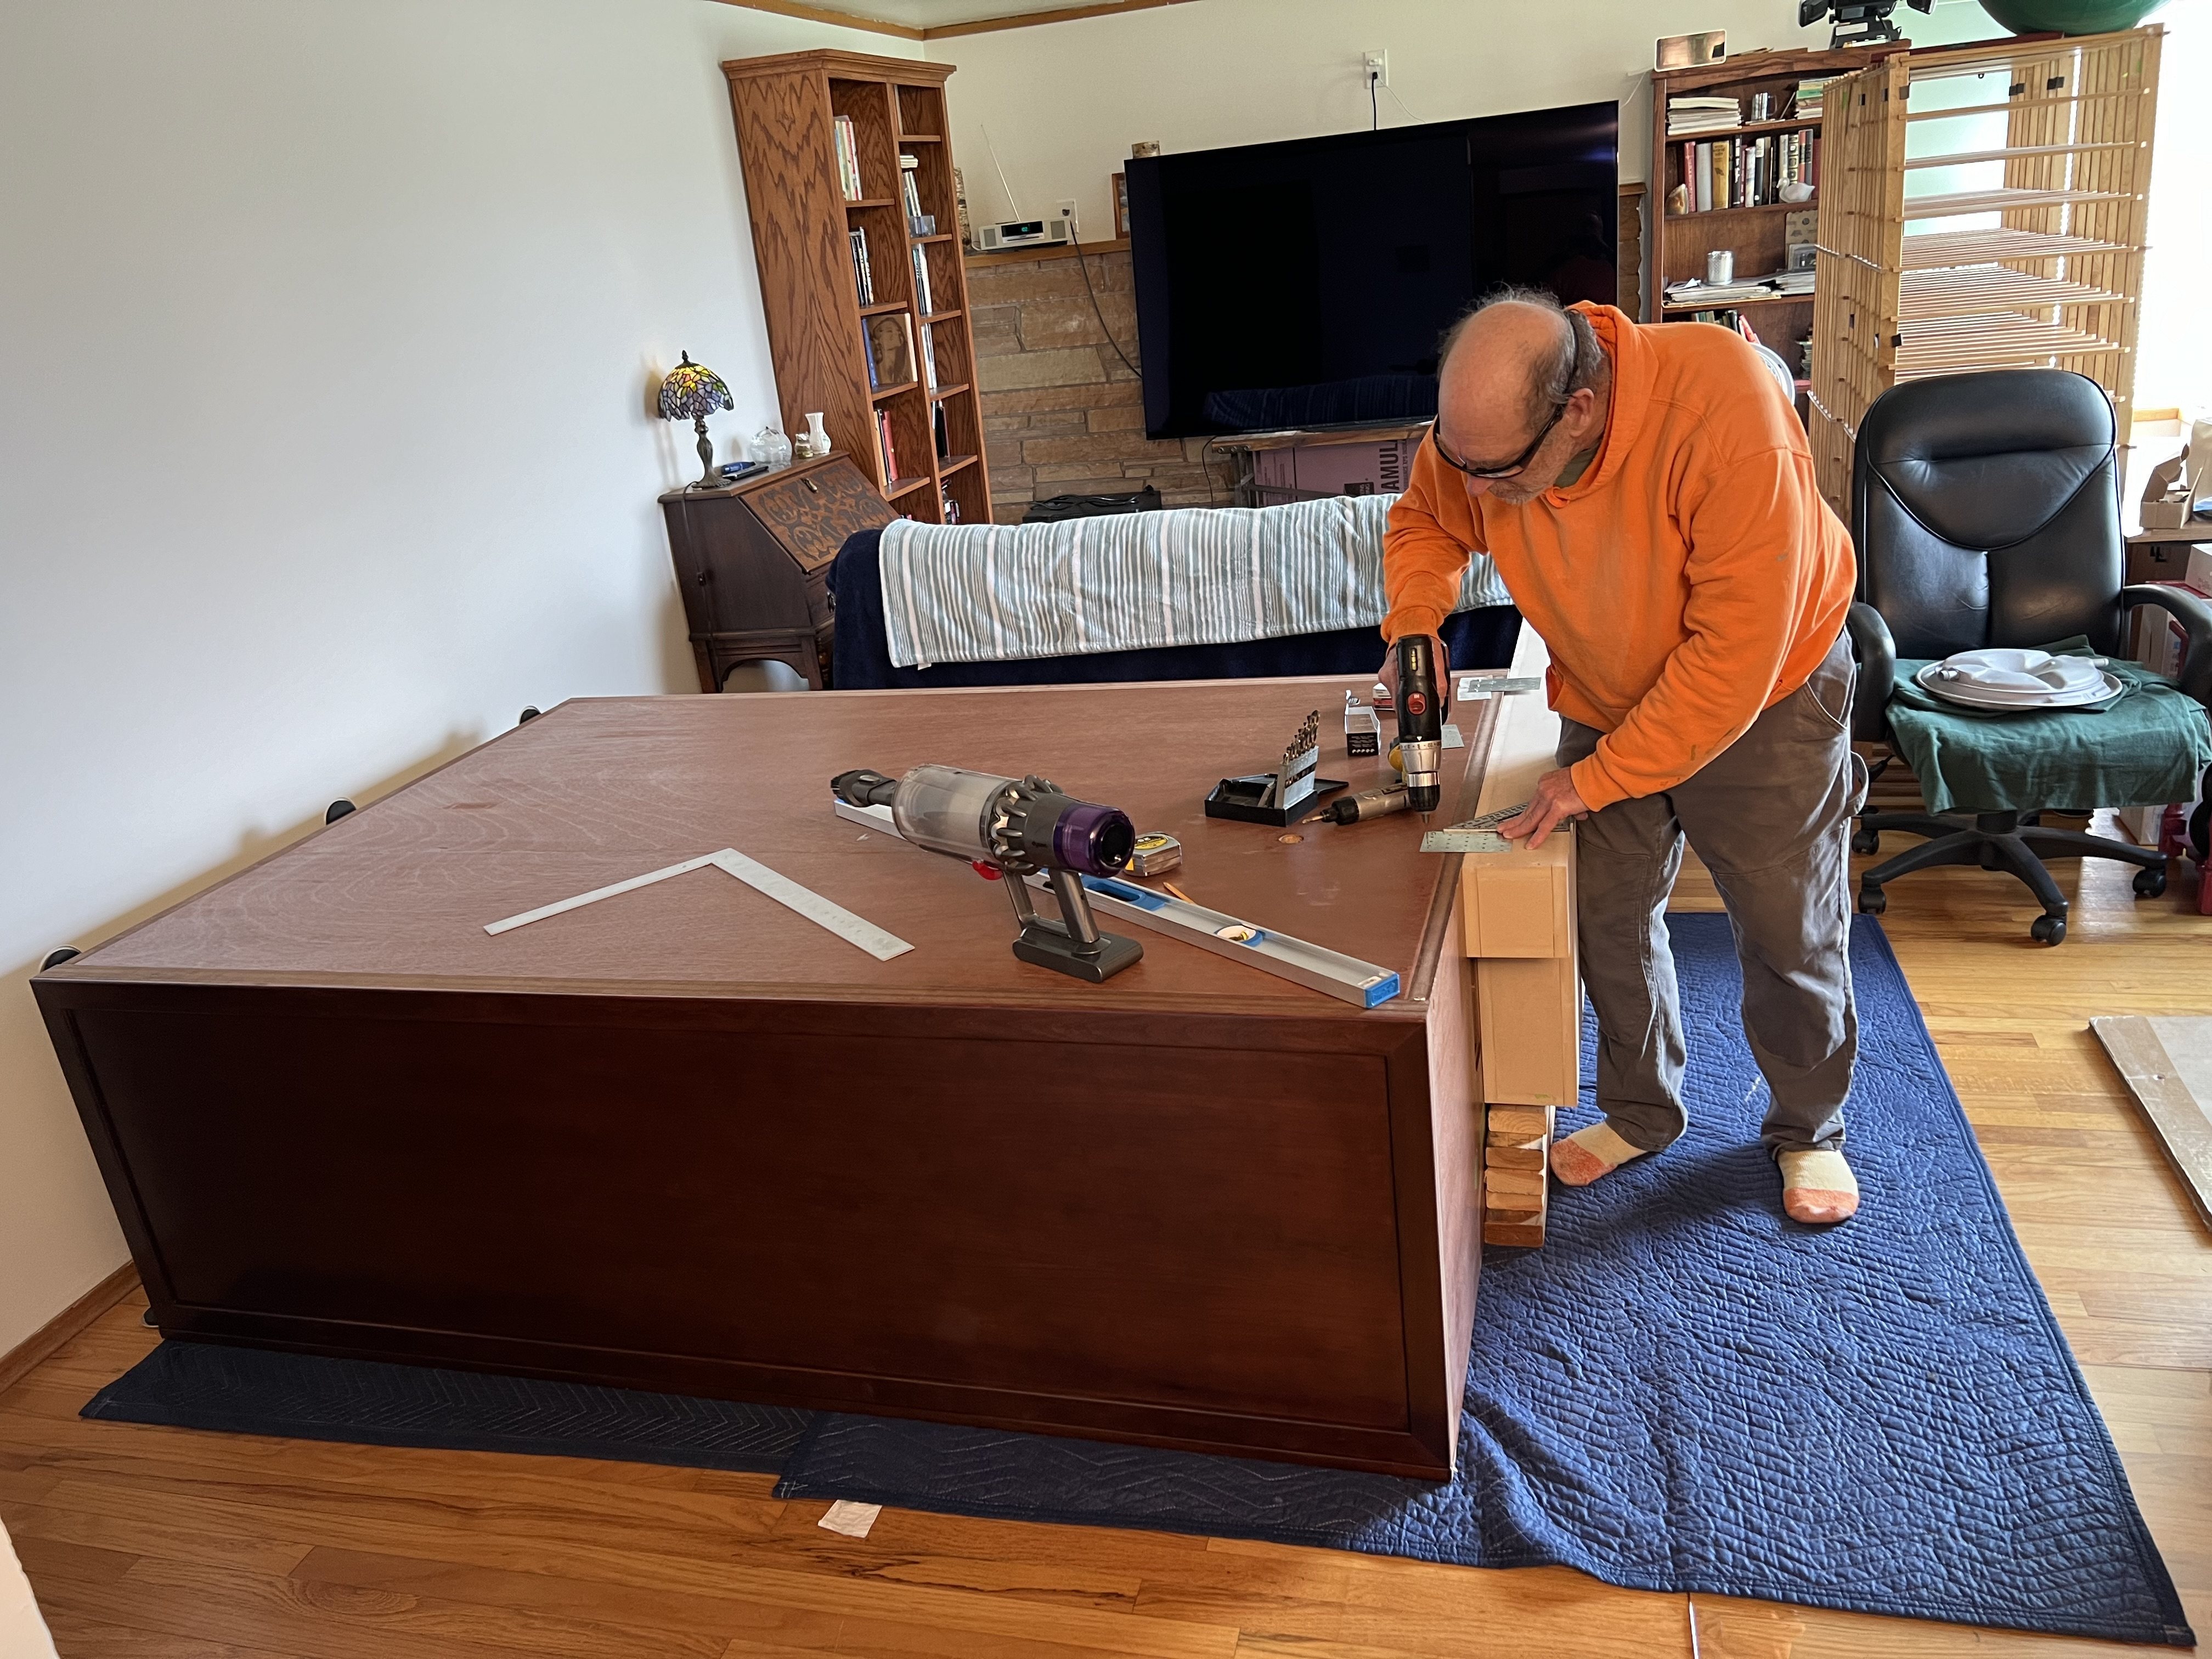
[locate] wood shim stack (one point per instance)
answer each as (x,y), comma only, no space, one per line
(1515,1175)
(1517,924)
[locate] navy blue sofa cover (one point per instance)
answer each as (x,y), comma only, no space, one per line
(1476,639)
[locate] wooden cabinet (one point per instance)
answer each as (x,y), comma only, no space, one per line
(687,1140)
(753,564)
(821,331)
(1756,231)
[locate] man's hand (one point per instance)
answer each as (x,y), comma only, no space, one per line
(1388,673)
(1554,803)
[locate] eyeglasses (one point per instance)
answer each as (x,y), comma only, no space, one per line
(1510,467)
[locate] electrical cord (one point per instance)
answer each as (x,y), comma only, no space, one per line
(1374,104)
(1083,264)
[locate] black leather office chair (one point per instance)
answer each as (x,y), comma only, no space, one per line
(1986,512)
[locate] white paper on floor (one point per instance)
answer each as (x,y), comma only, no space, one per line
(853,1520)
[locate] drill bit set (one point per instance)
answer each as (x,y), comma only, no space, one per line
(1284,796)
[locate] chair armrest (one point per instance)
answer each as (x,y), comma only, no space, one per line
(1877,652)
(2195,616)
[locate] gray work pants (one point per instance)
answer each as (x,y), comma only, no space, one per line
(1770,816)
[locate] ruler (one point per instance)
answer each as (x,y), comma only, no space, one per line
(1492,686)
(853,930)
(1362,984)
(1475,835)
(834,918)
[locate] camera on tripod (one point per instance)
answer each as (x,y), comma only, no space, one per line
(1858,22)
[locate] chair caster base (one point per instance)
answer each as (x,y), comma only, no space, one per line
(1873,901)
(1866,841)
(2149,883)
(2049,930)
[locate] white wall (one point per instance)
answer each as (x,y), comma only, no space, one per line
(1064,101)
(2173,354)
(326,336)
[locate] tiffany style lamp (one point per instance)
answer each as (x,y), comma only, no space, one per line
(691,392)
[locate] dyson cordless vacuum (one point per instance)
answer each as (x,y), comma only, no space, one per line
(1009,828)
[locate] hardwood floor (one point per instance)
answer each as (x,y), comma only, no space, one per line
(147,1543)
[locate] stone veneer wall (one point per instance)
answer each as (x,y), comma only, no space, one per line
(1061,414)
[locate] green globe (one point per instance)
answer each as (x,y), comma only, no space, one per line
(2069,16)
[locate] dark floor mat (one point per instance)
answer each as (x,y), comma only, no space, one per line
(205,1385)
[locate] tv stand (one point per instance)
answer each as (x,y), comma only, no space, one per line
(1304,464)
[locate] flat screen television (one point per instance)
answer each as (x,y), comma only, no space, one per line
(1306,284)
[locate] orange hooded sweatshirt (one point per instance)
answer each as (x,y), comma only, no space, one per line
(1690,578)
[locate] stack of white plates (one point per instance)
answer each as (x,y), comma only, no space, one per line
(2007,678)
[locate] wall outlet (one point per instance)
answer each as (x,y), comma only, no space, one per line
(1376,66)
(1065,208)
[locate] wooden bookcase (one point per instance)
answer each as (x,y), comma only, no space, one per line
(2049,138)
(786,108)
(1757,235)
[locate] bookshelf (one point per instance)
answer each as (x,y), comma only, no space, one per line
(824,139)
(1758,232)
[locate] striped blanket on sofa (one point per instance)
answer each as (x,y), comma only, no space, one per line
(1195,576)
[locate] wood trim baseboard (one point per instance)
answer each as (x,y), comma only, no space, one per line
(843,20)
(1031,20)
(72,1320)
(847,20)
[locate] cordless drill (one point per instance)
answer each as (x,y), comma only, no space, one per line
(1420,721)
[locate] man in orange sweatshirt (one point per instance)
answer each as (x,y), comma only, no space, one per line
(1647,495)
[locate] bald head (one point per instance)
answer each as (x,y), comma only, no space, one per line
(1513,352)
(1519,371)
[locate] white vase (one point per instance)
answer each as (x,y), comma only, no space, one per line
(818,440)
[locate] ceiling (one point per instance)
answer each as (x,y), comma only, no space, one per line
(926,17)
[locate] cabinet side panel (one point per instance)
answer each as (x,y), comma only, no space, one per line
(1206,1229)
(807,288)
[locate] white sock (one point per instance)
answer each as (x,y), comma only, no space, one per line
(1817,1185)
(1585,1155)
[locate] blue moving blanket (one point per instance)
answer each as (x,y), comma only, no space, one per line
(1684,1390)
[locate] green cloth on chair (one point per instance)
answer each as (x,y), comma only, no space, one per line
(2145,748)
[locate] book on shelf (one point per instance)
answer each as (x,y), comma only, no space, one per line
(1725,172)
(886,452)
(889,341)
(909,186)
(922,302)
(929,357)
(864,277)
(941,430)
(1811,102)
(1702,114)
(868,351)
(848,159)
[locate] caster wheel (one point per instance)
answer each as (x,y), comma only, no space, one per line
(1866,841)
(2149,883)
(1873,901)
(339,809)
(2049,930)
